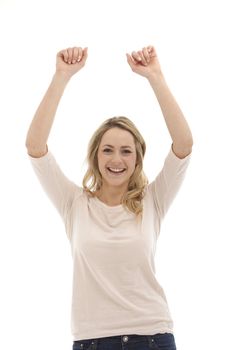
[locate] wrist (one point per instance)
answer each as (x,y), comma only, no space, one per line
(62,76)
(156,77)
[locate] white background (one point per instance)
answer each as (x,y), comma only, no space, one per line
(194,254)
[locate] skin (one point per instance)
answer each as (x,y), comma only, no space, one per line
(143,62)
(117,156)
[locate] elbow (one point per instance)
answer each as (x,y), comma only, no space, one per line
(182,150)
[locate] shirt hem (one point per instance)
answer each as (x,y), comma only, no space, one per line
(119,333)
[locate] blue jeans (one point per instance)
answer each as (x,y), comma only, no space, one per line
(159,341)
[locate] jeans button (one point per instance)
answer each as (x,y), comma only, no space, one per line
(125,338)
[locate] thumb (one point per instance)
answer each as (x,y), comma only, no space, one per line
(85,54)
(85,51)
(130,61)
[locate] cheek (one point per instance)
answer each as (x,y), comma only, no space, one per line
(134,158)
(101,163)
(132,162)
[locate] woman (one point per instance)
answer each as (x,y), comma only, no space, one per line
(113,220)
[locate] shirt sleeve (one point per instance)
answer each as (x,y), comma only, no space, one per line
(168,182)
(59,189)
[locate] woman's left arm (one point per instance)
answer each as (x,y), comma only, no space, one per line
(146,63)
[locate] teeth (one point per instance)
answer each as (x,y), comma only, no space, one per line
(116,170)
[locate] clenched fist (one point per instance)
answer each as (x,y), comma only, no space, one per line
(145,62)
(71,60)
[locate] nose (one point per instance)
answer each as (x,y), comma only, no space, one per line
(116,158)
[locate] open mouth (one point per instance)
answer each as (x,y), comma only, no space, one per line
(116,172)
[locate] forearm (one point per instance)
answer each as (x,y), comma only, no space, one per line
(42,122)
(173,116)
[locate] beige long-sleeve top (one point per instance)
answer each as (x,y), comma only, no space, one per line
(115,289)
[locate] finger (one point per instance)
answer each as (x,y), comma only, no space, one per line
(143,60)
(136,56)
(133,60)
(146,54)
(62,54)
(149,48)
(84,54)
(130,60)
(66,56)
(75,54)
(70,55)
(151,51)
(80,54)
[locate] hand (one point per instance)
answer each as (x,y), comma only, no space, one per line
(71,60)
(145,62)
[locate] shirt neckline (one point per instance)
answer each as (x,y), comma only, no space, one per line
(106,206)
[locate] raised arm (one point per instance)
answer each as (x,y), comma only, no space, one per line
(146,63)
(68,62)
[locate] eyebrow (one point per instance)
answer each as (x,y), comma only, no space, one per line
(121,146)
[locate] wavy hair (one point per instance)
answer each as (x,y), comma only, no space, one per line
(132,199)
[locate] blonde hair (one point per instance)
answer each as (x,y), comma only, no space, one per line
(132,199)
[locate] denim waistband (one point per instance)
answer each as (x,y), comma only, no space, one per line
(119,340)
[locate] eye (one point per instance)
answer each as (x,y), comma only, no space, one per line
(107,150)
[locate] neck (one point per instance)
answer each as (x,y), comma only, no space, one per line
(110,197)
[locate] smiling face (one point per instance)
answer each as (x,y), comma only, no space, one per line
(117,158)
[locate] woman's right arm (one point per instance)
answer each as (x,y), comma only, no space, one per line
(69,62)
